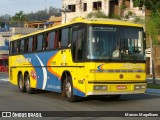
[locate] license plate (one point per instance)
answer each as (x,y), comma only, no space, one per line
(121,87)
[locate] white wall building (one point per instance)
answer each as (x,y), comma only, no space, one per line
(80,8)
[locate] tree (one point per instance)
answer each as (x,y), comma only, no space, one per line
(138,3)
(153,27)
(43,14)
(19,18)
(5,20)
(153,5)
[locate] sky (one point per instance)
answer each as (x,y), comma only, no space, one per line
(11,7)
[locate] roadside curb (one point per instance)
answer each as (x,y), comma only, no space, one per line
(153,91)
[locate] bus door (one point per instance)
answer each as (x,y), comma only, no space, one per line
(78,49)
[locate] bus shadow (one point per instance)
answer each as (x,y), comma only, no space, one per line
(38,91)
(107,98)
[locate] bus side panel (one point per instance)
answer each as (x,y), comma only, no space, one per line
(62,60)
(45,79)
(12,70)
(20,64)
(46,68)
(79,82)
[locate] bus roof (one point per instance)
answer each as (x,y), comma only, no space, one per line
(82,20)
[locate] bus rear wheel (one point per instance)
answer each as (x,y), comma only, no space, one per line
(68,90)
(28,85)
(21,85)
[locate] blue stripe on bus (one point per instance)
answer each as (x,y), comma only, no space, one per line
(78,93)
(52,84)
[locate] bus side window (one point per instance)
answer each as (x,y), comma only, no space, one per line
(69,37)
(22,46)
(34,43)
(30,44)
(57,42)
(79,45)
(56,39)
(18,46)
(15,49)
(45,41)
(74,39)
(11,48)
(59,39)
(65,38)
(39,42)
(51,40)
(26,45)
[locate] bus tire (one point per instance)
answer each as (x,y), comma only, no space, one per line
(21,85)
(28,85)
(68,89)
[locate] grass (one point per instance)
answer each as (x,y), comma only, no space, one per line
(154,86)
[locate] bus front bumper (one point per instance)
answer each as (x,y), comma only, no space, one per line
(116,89)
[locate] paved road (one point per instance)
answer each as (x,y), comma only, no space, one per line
(4,76)
(12,100)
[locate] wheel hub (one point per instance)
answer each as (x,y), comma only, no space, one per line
(20,84)
(27,84)
(68,89)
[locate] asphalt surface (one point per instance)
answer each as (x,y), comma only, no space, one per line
(11,99)
(4,77)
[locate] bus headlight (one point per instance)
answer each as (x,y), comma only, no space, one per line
(100,87)
(138,87)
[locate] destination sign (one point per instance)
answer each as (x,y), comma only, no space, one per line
(103,28)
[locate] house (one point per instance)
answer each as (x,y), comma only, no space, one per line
(51,22)
(80,8)
(5,36)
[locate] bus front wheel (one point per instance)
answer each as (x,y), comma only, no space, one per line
(21,85)
(28,85)
(68,90)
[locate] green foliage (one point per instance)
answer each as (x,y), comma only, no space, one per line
(123,7)
(154,86)
(114,16)
(2,24)
(36,16)
(138,3)
(138,20)
(153,22)
(97,14)
(130,13)
(19,18)
(151,29)
(5,20)
(156,18)
(43,14)
(153,5)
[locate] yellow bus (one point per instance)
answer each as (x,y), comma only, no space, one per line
(81,58)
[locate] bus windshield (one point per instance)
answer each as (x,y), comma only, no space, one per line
(115,43)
